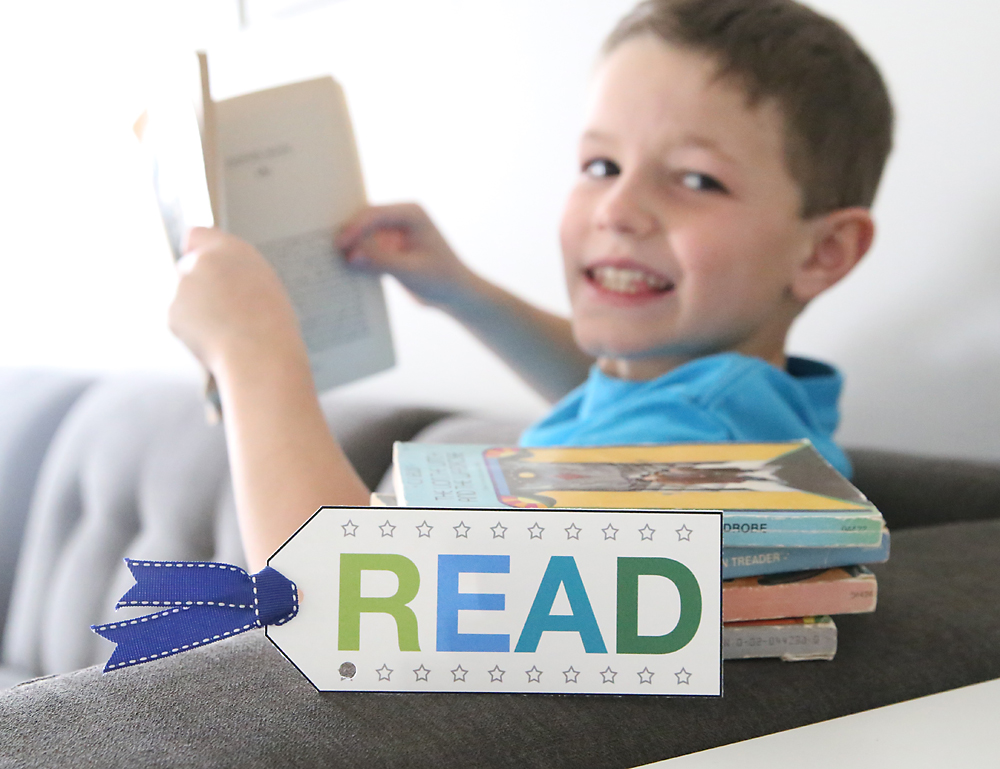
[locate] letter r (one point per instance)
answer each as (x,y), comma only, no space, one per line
(352,603)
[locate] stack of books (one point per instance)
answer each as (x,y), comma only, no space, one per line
(796,533)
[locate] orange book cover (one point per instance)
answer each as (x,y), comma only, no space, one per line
(846,590)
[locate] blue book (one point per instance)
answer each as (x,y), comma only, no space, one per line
(755,561)
(773,495)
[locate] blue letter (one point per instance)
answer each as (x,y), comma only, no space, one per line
(451,602)
(561,571)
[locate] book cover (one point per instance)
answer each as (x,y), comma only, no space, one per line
(796,639)
(772,494)
(177,132)
(845,590)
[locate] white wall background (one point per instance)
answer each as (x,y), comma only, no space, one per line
(472,108)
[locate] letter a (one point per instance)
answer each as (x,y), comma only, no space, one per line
(561,570)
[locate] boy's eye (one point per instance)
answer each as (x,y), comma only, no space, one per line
(601,168)
(702,182)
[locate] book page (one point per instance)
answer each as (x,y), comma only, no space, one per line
(291,177)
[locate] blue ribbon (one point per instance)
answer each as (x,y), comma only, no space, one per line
(201,603)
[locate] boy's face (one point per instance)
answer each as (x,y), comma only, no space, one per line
(682,235)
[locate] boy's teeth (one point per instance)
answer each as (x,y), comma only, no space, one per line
(628,281)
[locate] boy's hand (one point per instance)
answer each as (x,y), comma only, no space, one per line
(403,241)
(229,300)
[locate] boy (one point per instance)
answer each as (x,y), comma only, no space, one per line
(728,163)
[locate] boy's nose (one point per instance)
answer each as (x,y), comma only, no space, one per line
(625,208)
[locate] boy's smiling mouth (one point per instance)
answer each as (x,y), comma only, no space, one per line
(630,279)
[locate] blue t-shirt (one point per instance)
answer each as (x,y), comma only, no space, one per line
(724,397)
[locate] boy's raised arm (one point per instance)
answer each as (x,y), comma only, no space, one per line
(233,313)
(402,240)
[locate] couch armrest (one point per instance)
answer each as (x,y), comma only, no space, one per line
(366,430)
(913,490)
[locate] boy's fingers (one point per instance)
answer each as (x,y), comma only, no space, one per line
(399,216)
(196,237)
(381,246)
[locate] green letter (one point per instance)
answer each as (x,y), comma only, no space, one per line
(352,603)
(629,640)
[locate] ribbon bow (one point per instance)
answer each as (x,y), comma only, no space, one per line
(202,603)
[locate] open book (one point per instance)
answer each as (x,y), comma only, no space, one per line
(278,168)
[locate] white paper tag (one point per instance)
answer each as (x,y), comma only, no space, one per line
(569,601)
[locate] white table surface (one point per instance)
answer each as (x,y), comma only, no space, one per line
(958,728)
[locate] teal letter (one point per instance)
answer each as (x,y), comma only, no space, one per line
(629,640)
(561,571)
(352,603)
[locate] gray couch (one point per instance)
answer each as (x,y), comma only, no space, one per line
(95,470)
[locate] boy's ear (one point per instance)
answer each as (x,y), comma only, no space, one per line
(841,238)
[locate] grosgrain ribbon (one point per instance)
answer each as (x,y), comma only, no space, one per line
(202,602)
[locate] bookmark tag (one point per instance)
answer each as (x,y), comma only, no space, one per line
(500,600)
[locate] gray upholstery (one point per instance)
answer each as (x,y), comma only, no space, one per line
(32,405)
(128,466)
(239,703)
(923,491)
(134,470)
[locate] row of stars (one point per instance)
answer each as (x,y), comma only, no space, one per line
(534,675)
(500,531)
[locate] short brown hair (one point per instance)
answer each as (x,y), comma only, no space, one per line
(836,107)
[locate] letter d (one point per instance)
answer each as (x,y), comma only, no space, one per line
(629,640)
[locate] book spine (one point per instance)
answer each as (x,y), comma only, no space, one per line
(754,561)
(831,592)
(814,638)
(809,528)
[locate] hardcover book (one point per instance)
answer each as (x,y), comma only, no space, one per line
(848,590)
(772,494)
